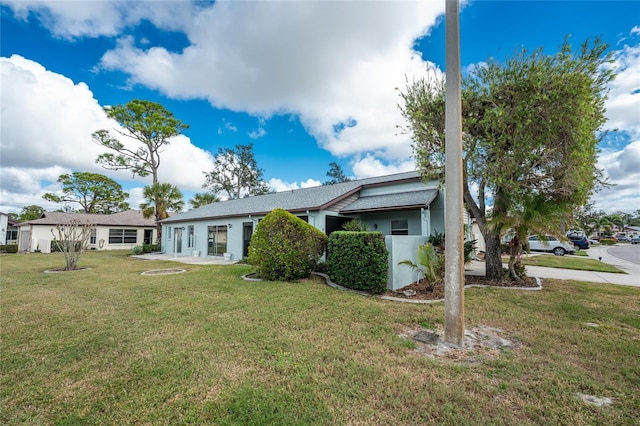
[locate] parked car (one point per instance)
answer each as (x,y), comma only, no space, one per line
(624,239)
(593,241)
(549,244)
(635,240)
(579,242)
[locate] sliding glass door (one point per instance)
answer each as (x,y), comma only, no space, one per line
(217,241)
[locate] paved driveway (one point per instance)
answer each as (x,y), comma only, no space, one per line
(606,254)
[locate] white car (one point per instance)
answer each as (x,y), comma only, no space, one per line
(549,244)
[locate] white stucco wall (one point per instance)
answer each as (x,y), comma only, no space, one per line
(41,237)
(4,224)
(401,248)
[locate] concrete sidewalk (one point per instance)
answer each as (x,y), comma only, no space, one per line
(631,278)
(192,260)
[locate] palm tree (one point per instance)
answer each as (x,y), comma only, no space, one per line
(203,198)
(604,224)
(533,215)
(161,198)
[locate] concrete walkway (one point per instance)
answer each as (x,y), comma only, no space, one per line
(631,278)
(192,260)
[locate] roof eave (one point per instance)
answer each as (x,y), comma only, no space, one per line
(385,209)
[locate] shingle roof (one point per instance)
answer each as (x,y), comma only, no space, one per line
(314,198)
(392,201)
(126,218)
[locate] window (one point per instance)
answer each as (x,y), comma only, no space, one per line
(92,237)
(12,235)
(123,236)
(190,236)
(400,227)
(169,232)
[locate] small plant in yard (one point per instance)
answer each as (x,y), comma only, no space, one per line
(71,240)
(430,265)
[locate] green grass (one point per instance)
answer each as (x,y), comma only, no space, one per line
(570,262)
(109,346)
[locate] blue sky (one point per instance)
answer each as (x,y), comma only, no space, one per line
(308,83)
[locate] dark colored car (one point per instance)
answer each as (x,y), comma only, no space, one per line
(580,242)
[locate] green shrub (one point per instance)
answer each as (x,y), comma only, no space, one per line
(285,247)
(437,240)
(608,241)
(150,248)
(355,225)
(358,260)
(8,248)
(137,250)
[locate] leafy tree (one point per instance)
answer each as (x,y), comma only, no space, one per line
(236,172)
(530,129)
(202,199)
(94,192)
(148,126)
(30,213)
(161,198)
(586,218)
(336,174)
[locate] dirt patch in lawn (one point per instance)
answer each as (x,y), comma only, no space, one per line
(169,271)
(478,344)
(420,290)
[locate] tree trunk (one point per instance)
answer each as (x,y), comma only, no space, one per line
(515,248)
(493,259)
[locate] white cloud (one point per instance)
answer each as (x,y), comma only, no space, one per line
(327,62)
(623,105)
(257,133)
(623,170)
(135,197)
(183,164)
(47,122)
(279,185)
(370,166)
(71,19)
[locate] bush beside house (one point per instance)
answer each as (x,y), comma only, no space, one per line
(358,260)
(8,248)
(285,247)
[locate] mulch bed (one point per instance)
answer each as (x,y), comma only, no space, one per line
(423,293)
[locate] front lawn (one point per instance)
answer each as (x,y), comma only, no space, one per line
(569,262)
(110,346)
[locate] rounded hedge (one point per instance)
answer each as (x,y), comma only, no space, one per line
(285,247)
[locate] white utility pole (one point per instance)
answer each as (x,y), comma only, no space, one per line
(454,229)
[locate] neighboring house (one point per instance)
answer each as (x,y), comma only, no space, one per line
(632,231)
(118,231)
(396,205)
(8,230)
